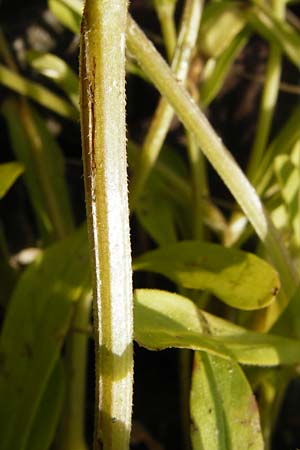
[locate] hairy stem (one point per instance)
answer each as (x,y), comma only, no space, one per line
(102,84)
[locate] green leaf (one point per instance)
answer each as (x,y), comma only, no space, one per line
(55,68)
(69,17)
(288,176)
(9,172)
(276,31)
(170,172)
(223,408)
(282,143)
(240,279)
(38,93)
(48,413)
(164,320)
(214,81)
(37,320)
(160,207)
(36,148)
(155,213)
(221,23)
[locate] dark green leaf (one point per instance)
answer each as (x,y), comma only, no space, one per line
(35,325)
(223,408)
(9,172)
(48,413)
(36,148)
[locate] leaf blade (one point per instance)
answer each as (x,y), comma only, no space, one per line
(37,320)
(9,172)
(164,320)
(240,279)
(223,408)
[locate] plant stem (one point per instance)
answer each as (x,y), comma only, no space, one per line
(102,85)
(198,183)
(165,10)
(269,99)
(212,146)
(165,113)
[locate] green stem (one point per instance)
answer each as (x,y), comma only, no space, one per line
(165,113)
(212,146)
(102,86)
(165,10)
(269,99)
(199,184)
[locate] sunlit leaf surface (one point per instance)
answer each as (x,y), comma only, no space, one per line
(240,279)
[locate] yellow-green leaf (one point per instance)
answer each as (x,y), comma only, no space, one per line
(164,320)
(220,25)
(69,17)
(240,279)
(288,176)
(55,68)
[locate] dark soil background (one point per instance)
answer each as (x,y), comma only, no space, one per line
(27,24)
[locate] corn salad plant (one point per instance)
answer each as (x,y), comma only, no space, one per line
(232,308)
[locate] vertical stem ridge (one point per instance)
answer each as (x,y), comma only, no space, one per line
(102,75)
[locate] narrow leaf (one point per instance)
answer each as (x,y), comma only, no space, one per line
(55,68)
(38,93)
(9,172)
(69,17)
(36,148)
